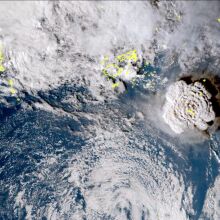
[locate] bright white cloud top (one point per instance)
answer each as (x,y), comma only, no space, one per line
(188,107)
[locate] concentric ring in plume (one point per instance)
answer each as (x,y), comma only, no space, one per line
(188,106)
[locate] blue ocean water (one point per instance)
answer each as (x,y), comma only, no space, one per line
(28,137)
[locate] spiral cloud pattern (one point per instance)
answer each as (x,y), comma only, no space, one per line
(188,107)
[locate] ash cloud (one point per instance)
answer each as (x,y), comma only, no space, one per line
(188,107)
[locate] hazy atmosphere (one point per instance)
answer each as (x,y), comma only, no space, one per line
(109,110)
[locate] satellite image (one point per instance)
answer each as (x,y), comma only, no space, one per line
(110,110)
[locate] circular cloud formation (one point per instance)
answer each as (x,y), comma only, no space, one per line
(188,106)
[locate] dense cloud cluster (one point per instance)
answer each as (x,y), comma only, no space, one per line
(188,107)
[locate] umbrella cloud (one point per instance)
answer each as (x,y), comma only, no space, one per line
(188,107)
